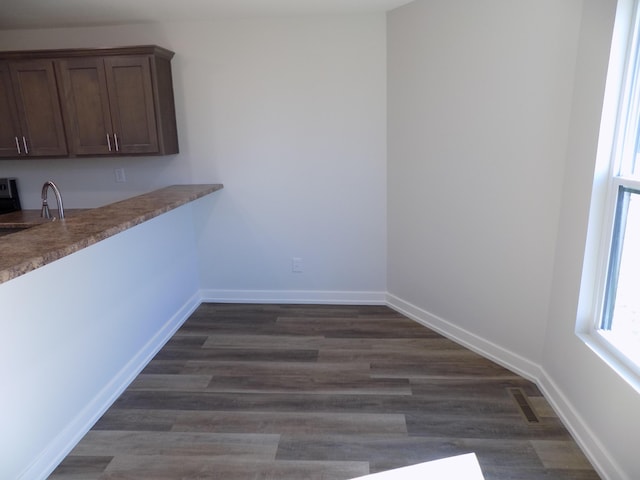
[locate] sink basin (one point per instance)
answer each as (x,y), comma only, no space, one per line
(9,230)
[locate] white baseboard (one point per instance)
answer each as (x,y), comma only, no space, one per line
(294,297)
(487,349)
(575,424)
(73,433)
(593,449)
(67,439)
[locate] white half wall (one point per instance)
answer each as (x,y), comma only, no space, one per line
(289,113)
(76,332)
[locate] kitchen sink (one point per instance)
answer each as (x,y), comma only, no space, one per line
(9,230)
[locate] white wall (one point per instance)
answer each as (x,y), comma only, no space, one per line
(596,398)
(288,113)
(494,109)
(479,104)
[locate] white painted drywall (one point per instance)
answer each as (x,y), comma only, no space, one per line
(494,109)
(288,113)
(479,104)
(592,393)
(76,331)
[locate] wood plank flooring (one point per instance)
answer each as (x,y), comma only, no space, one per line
(290,392)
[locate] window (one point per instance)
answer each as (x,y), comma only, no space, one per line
(620,320)
(617,323)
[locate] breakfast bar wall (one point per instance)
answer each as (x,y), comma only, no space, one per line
(84,327)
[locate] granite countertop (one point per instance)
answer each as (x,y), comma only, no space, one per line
(47,241)
(32,218)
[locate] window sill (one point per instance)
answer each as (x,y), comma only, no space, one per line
(615,358)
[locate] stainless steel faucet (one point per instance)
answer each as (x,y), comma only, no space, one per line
(45,206)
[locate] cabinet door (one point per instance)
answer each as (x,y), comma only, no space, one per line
(86,106)
(36,92)
(131,103)
(9,124)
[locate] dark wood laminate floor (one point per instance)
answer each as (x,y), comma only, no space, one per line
(286,392)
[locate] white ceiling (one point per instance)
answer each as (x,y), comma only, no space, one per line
(15,14)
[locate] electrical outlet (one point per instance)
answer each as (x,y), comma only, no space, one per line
(296,265)
(120,176)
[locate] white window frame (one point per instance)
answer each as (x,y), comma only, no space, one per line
(621,114)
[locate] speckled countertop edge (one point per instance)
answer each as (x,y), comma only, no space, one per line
(27,250)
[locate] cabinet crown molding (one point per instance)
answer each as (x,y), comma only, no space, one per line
(88,52)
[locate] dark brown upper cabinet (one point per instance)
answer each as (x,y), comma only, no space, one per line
(30,115)
(119,104)
(114,101)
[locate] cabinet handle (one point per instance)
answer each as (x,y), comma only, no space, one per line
(18,145)
(115,139)
(24,142)
(108,142)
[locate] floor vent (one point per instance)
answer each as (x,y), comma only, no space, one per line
(523,404)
